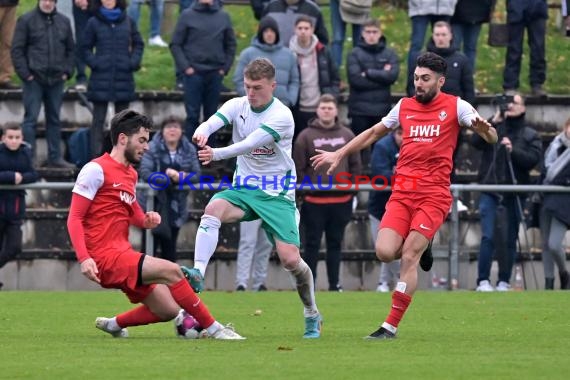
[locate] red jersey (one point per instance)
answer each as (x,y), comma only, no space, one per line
(430,134)
(110,186)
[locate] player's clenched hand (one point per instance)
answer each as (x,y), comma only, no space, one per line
(89,270)
(326,158)
(199,139)
(151,219)
(206,155)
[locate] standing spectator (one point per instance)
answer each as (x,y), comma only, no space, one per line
(43,52)
(355,12)
(422,13)
(81,14)
(253,256)
(384,158)
(372,69)
(7,25)
(318,72)
(156,12)
(286,13)
(459,76)
(258,6)
(530,15)
(323,211)
(112,47)
(15,168)
(267,44)
(203,46)
(170,152)
(466,25)
(520,149)
(555,219)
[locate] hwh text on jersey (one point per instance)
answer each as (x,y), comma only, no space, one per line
(420,132)
(127,198)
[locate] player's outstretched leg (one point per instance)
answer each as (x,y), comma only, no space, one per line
(110,326)
(306,289)
(206,242)
(426,261)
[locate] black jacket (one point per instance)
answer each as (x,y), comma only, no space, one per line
(370,93)
(329,77)
(459,75)
(43,47)
(204,39)
(526,153)
(472,11)
(113,50)
(8,3)
(13,202)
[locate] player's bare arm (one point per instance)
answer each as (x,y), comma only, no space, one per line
(484,129)
(366,138)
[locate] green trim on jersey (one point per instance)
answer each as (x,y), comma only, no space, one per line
(261,109)
(226,121)
(269,130)
(287,182)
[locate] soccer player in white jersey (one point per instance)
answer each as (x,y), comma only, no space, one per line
(264,181)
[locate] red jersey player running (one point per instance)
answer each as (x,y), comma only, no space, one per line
(420,198)
(103,206)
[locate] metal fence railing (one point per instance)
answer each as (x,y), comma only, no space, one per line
(456,190)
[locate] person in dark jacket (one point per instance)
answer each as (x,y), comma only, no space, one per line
(267,44)
(286,13)
(204,47)
(81,13)
(7,24)
(258,6)
(15,168)
(43,56)
(519,150)
(112,47)
(383,163)
(323,211)
(170,152)
(315,79)
(555,218)
(372,69)
(466,25)
(459,75)
(530,15)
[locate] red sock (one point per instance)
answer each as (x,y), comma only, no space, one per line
(189,301)
(137,317)
(400,303)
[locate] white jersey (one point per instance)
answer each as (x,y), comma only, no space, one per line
(268,167)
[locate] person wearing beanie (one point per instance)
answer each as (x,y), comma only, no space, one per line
(267,44)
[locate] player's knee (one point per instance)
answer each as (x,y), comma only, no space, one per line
(172,272)
(384,253)
(289,263)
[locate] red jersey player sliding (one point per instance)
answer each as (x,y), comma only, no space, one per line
(103,206)
(417,208)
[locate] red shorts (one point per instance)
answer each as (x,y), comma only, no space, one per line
(123,271)
(422,212)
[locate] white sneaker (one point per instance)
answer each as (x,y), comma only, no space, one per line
(102,322)
(383,287)
(227,333)
(157,41)
(503,286)
(460,207)
(485,286)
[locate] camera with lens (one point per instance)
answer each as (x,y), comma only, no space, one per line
(502,102)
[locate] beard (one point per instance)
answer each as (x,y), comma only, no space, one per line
(130,155)
(427,96)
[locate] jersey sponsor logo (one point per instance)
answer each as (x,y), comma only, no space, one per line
(116,184)
(410,117)
(424,133)
(337,141)
(127,198)
(263,151)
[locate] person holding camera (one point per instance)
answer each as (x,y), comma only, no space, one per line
(509,162)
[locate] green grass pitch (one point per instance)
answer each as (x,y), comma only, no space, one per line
(445,335)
